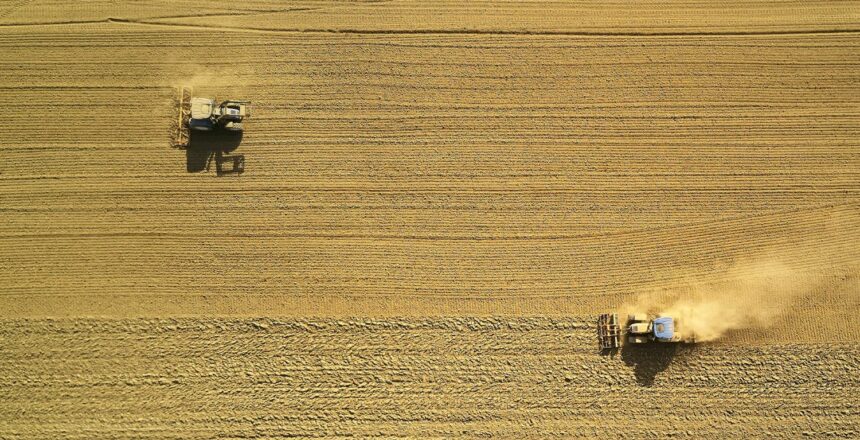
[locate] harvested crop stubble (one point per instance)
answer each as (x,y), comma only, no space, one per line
(438,199)
(448,377)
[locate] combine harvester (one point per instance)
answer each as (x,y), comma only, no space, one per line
(202,114)
(640,329)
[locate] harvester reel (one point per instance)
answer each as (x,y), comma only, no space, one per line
(182,137)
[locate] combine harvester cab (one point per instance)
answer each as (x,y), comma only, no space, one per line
(230,114)
(664,329)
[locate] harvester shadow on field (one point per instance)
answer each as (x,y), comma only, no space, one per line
(649,360)
(204,147)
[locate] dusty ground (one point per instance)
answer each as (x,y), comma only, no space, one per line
(438,200)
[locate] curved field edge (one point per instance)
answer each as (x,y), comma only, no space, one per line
(412,16)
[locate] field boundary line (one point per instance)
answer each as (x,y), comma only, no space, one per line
(596,34)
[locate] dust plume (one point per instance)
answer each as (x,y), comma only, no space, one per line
(208,76)
(222,79)
(757,291)
(753,294)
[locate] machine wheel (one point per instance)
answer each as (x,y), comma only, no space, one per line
(636,339)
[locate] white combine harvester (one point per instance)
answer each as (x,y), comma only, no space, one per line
(206,116)
(202,114)
(640,329)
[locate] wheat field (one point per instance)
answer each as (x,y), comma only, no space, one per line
(438,199)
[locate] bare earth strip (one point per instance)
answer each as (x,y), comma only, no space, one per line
(438,200)
(425,378)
